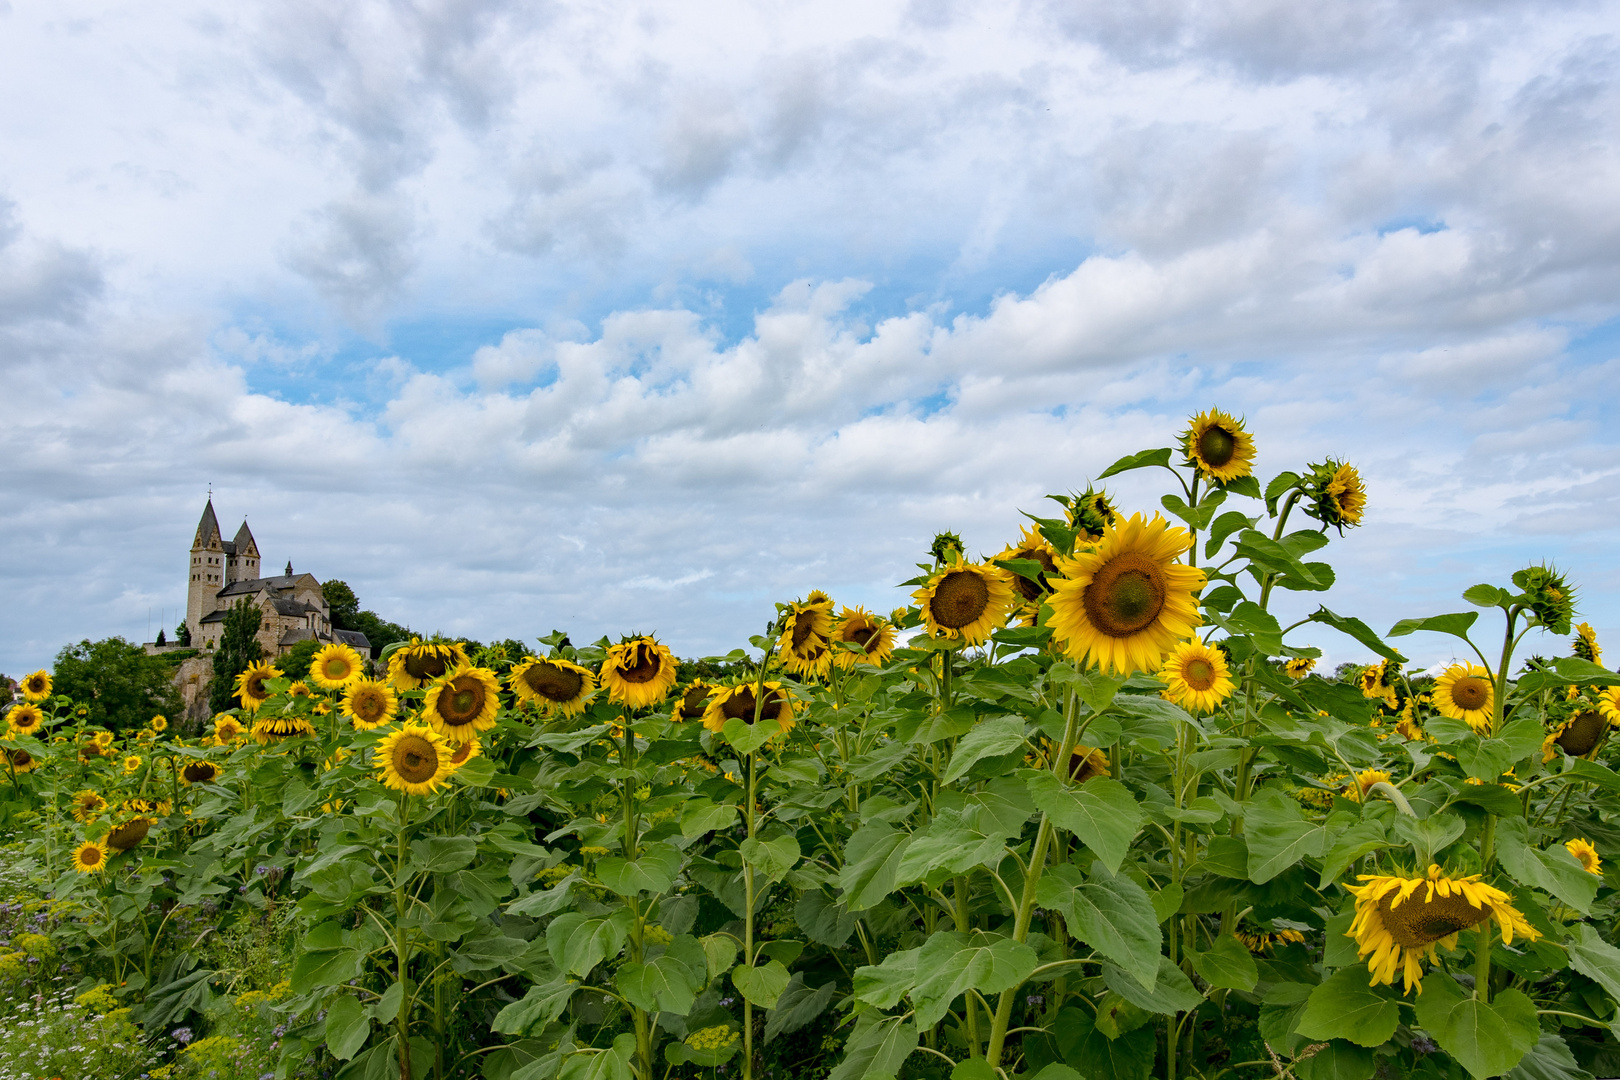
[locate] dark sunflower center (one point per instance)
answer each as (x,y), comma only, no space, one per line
(1199,675)
(415,759)
(198,772)
(1125,595)
(693,701)
(740,706)
(1417,922)
(960,599)
(255,687)
(803,628)
(92,856)
(129,834)
(463,701)
(1085,764)
(424,665)
(369,706)
(463,752)
(645,668)
(1581,734)
(1471,692)
(861,635)
(552,682)
(36,685)
(1216,446)
(21,759)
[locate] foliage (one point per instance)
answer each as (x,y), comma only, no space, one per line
(115,679)
(952,859)
(238,649)
(346,614)
(294,663)
(182,634)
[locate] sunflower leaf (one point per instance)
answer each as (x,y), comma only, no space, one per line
(877,1049)
(653,871)
(1456,624)
(762,985)
(1486,1039)
(1278,835)
(1553,870)
(1126,1057)
(1000,735)
(950,963)
(797,1006)
(1345,1007)
(1487,596)
(1595,958)
(1113,915)
(1227,965)
(1228,523)
(1101,813)
(1142,460)
(872,863)
(1357,629)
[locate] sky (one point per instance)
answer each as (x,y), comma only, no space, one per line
(624,317)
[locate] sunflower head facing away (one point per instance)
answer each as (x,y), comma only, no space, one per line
(1549,595)
(25,720)
(692,702)
(415,759)
(250,685)
(638,671)
(1465,692)
(806,627)
(1580,734)
(1586,855)
(1401,920)
(369,703)
(199,772)
(966,601)
(556,685)
(1196,677)
(126,835)
(1218,446)
(1091,515)
(1087,763)
(947,547)
(739,703)
(1586,644)
(419,663)
(1127,602)
(335,666)
(1298,667)
(21,760)
(857,626)
(90,857)
(37,687)
(269,728)
(1336,496)
(1031,547)
(463,703)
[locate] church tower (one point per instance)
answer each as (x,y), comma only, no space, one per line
(208,570)
(244,557)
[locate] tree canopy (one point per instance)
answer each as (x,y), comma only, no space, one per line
(121,685)
(346,615)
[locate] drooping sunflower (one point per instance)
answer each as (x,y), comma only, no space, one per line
(22,761)
(1031,547)
(692,702)
(250,688)
(200,772)
(1586,644)
(558,686)
(90,857)
(87,805)
(1335,494)
(226,729)
(126,835)
(807,626)
(1298,667)
(369,703)
(160,723)
(638,672)
(1586,855)
(1365,779)
(1401,920)
(1196,677)
(1580,734)
(335,666)
(25,720)
(1465,692)
(1407,725)
(37,687)
(857,626)
(1127,602)
(1218,446)
(465,702)
(414,666)
(415,759)
(277,728)
(965,601)
(1549,595)
(1261,941)
(739,703)
(1087,763)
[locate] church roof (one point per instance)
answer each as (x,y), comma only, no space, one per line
(207,527)
(253,585)
(244,542)
(352,638)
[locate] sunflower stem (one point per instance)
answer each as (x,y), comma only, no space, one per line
(402,951)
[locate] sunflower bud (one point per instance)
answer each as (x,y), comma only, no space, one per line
(1549,596)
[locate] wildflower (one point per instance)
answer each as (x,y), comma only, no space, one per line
(639,671)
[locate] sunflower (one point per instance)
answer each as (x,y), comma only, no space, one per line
(415,759)
(1580,734)
(1365,779)
(269,729)
(805,631)
(1586,855)
(413,666)
(87,805)
(1407,725)
(691,703)
(1261,941)
(250,688)
(1031,547)
(461,753)
(1609,704)
(226,729)
(335,666)
(104,740)
(1586,644)
(739,703)
(1127,602)
(200,772)
(1298,667)
(1371,681)
(369,703)
(22,761)
(467,700)
(37,687)
(1400,920)
(132,764)
(160,723)
(1091,515)
(1465,692)
(90,857)
(947,547)
(1218,447)
(638,672)
(25,720)
(1549,595)
(965,601)
(1087,763)
(857,626)
(1336,493)
(556,685)
(125,836)
(300,688)
(1196,677)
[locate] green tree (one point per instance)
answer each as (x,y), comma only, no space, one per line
(295,662)
(344,605)
(238,649)
(182,634)
(117,681)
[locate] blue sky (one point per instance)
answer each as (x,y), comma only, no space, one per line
(624,316)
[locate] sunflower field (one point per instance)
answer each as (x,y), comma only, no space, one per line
(1082,809)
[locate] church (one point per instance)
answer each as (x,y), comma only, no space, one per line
(292,607)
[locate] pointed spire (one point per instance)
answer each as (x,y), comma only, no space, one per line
(245,544)
(288,571)
(207,527)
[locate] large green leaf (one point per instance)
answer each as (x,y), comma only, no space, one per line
(540,1006)
(611,1064)
(876,1048)
(1486,1039)
(1455,624)
(1549,1059)
(669,982)
(762,984)
(1113,915)
(949,964)
(653,870)
(1345,1007)
(1357,629)
(772,858)
(1095,1055)
(1595,958)
(1359,839)
(947,844)
(1553,870)
(1172,991)
(1280,1010)
(1101,813)
(871,864)
(885,984)
(440,854)
(579,942)
(823,919)
(700,816)
(1227,964)
(347,1026)
(1338,1060)
(797,1006)
(1278,835)
(1001,735)
(1141,460)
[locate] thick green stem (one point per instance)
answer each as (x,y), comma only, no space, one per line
(748,920)
(962,927)
(402,949)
